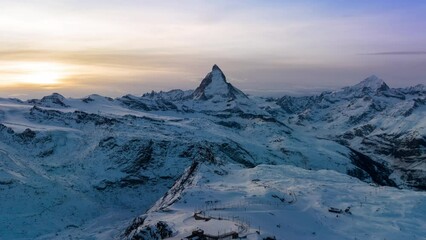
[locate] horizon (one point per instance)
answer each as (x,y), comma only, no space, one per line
(272,48)
(278,94)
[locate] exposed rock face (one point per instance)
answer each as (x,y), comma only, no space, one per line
(383,123)
(215,85)
(158,231)
(150,102)
(54,100)
(372,84)
(378,172)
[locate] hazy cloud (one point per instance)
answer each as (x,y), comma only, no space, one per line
(398,53)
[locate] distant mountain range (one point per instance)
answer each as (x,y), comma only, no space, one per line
(86,167)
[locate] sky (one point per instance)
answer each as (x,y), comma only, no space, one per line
(269,48)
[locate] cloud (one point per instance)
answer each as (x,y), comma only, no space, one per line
(397,53)
(106,58)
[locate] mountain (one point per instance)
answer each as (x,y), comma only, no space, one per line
(383,123)
(214,96)
(54,100)
(371,84)
(86,168)
(214,85)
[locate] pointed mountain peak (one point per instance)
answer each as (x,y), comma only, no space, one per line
(216,68)
(215,85)
(217,74)
(372,84)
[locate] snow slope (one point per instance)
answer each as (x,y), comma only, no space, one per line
(286,202)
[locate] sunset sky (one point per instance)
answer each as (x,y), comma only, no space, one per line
(114,47)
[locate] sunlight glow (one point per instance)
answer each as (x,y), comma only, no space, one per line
(42,78)
(36,73)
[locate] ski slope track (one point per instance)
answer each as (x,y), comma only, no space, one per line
(215,162)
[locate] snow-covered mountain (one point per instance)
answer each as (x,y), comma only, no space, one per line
(214,85)
(388,125)
(84,168)
(372,84)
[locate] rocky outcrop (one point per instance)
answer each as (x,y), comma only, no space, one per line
(215,85)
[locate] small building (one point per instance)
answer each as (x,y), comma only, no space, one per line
(335,210)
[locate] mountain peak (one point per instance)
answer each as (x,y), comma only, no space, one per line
(215,85)
(216,68)
(371,84)
(55,95)
(373,79)
(53,100)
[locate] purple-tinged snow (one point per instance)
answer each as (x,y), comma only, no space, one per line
(287,202)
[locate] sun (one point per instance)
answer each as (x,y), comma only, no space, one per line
(39,73)
(42,78)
